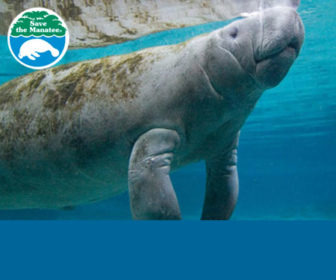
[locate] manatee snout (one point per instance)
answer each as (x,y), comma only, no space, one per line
(281,28)
(265,44)
(280,44)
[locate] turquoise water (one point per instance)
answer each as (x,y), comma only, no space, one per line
(288,145)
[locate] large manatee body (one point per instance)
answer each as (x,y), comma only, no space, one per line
(83,132)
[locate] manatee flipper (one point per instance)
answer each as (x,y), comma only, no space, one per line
(152,195)
(222,185)
(35,54)
(31,57)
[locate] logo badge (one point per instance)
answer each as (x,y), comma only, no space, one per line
(38,38)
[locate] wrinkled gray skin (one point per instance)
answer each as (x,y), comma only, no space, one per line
(190,104)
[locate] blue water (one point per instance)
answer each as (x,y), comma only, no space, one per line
(287,150)
(45,58)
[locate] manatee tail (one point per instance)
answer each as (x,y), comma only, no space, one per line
(54,52)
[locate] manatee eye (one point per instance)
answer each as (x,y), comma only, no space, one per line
(234,32)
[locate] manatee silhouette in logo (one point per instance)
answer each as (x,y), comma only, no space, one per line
(31,48)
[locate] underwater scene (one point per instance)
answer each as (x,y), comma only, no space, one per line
(287,147)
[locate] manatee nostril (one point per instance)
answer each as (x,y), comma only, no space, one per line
(234,32)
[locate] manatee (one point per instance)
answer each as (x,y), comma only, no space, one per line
(86,131)
(32,47)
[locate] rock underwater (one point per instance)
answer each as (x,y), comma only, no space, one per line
(97,22)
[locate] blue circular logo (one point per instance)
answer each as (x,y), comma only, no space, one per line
(38,38)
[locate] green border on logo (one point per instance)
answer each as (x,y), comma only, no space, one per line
(38,23)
